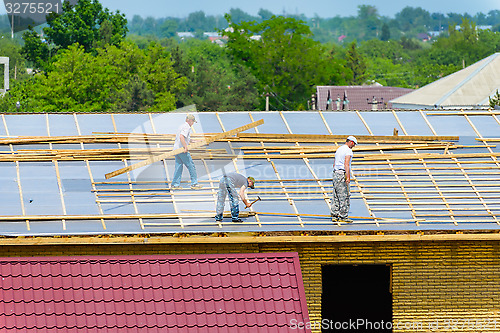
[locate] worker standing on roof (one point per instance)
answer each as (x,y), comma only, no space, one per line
(183,139)
(341,181)
(227,186)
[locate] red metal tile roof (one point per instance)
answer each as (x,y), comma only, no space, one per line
(189,293)
(359,97)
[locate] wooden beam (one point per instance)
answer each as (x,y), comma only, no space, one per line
(342,138)
(248,238)
(480,113)
(10,218)
(180,150)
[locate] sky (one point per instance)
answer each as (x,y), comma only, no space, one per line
(323,8)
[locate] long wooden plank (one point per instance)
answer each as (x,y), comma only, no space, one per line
(250,238)
(341,138)
(180,150)
(483,113)
(10,218)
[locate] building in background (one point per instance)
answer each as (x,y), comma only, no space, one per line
(470,87)
(362,98)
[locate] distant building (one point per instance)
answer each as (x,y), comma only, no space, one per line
(434,34)
(478,27)
(424,37)
(470,87)
(186,34)
(212,34)
(5,62)
(376,97)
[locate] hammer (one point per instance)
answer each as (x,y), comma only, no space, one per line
(258,199)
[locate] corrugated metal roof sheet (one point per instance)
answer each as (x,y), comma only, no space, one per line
(360,97)
(470,86)
(188,293)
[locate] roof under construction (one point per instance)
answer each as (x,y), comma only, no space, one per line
(469,87)
(414,170)
(207,292)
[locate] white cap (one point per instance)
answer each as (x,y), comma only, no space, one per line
(353,139)
(190,116)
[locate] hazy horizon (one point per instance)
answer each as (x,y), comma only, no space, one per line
(311,8)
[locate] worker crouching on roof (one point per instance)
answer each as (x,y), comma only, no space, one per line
(341,181)
(227,186)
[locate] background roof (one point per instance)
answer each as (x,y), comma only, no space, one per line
(472,86)
(242,292)
(423,179)
(360,98)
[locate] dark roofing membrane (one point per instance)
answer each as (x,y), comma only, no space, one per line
(74,198)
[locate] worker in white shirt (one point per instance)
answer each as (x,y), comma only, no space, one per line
(182,140)
(341,181)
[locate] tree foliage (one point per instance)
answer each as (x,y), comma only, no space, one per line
(88,67)
(34,49)
(214,83)
(282,55)
(82,24)
(87,23)
(495,100)
(117,78)
(356,63)
(17,63)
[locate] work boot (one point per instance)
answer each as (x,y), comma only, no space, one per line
(196,187)
(236,220)
(178,187)
(345,219)
(218,218)
(335,218)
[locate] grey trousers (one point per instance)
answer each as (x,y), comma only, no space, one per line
(341,195)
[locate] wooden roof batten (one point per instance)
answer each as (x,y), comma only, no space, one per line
(412,172)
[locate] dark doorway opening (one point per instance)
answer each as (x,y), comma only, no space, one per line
(356,298)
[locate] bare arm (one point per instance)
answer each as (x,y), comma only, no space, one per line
(184,143)
(347,168)
(243,197)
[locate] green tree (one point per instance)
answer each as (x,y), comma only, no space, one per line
(214,83)
(87,23)
(169,28)
(495,100)
(386,33)
(281,53)
(368,21)
(265,14)
(17,63)
(356,63)
(81,24)
(466,44)
(135,95)
(117,78)
(239,16)
(410,18)
(34,49)
(159,74)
